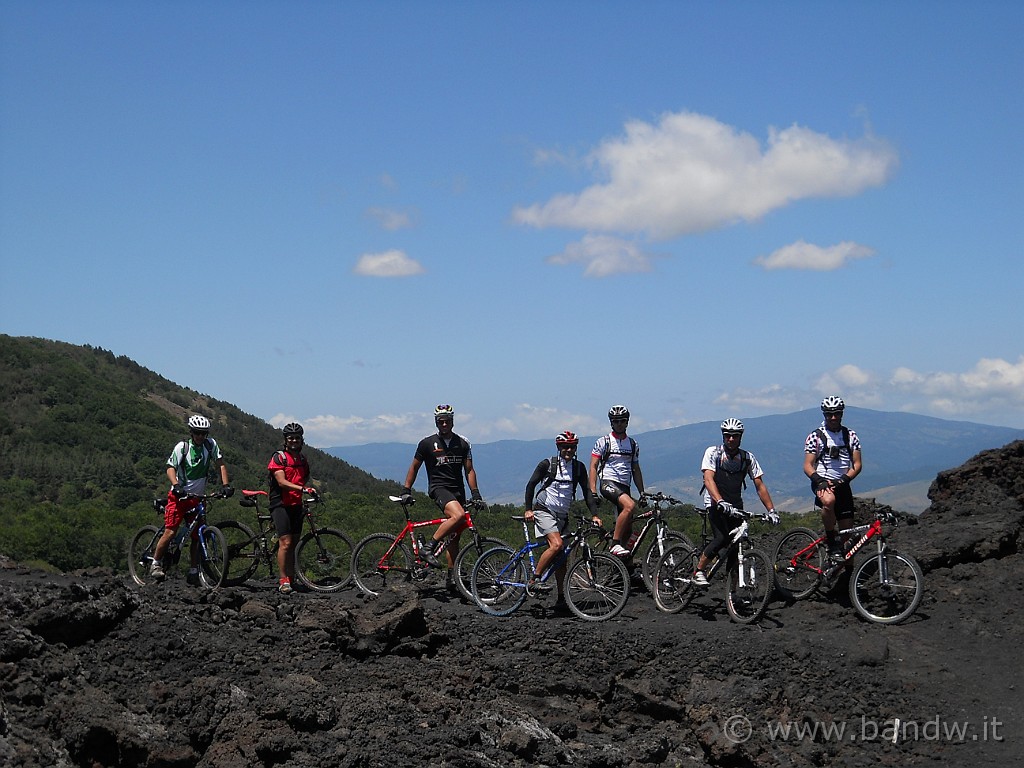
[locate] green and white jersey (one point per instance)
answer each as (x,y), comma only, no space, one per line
(193,463)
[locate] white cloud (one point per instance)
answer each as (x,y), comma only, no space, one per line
(604,255)
(390,219)
(690,173)
(991,385)
(801,255)
(393,263)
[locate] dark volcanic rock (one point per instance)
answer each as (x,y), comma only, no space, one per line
(95,672)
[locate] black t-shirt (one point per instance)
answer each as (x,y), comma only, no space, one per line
(445,463)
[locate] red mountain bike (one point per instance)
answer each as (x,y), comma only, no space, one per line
(381,558)
(885,586)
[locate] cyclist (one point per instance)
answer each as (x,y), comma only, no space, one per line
(558,478)
(289,478)
(187,469)
(832,458)
(448,457)
(614,465)
(725,469)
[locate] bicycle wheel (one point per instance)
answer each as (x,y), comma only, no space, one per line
(373,568)
(673,578)
(466,559)
(749,587)
(596,588)
(213,557)
(656,550)
(243,553)
(498,581)
(140,553)
(886,588)
(799,561)
(323,560)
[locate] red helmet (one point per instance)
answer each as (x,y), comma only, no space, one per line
(566,438)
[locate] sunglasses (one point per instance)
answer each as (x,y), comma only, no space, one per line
(440,422)
(197,433)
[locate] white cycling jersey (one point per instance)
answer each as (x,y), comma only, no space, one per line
(619,466)
(828,466)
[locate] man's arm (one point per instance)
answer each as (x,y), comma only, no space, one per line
(414,468)
(638,478)
(593,473)
(711,487)
(762,493)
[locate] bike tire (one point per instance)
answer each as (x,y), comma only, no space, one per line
(498,581)
(243,552)
(371,571)
(467,558)
(795,563)
(673,578)
(653,554)
(747,603)
(140,553)
(597,588)
(323,560)
(892,599)
(213,557)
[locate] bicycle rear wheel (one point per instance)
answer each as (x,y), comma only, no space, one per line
(466,559)
(243,554)
(498,581)
(596,588)
(213,557)
(140,553)
(655,552)
(749,587)
(373,568)
(673,578)
(886,588)
(323,560)
(799,561)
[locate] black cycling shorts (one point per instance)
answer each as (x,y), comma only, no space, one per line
(844,501)
(287,520)
(612,490)
(445,496)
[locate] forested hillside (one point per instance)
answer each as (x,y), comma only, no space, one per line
(85,434)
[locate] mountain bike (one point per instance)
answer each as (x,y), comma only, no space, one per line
(748,573)
(213,550)
(654,538)
(885,587)
(323,556)
(596,583)
(381,558)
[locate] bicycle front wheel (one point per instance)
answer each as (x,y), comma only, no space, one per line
(596,588)
(378,560)
(140,553)
(323,560)
(799,562)
(673,578)
(466,559)
(656,550)
(749,587)
(213,557)
(243,555)
(886,588)
(498,581)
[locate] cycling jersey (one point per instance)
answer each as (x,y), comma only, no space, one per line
(192,463)
(296,470)
(621,456)
(729,473)
(831,466)
(445,462)
(557,495)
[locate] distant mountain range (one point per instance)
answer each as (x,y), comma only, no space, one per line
(903,452)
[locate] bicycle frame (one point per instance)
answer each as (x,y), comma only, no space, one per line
(412,525)
(869,530)
(572,541)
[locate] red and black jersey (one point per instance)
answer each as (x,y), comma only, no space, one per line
(296,470)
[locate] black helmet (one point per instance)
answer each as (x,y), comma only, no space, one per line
(292,429)
(618,412)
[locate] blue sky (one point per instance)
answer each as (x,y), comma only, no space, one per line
(347,213)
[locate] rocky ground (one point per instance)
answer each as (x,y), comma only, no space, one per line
(97,672)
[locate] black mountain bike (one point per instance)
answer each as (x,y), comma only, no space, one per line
(323,556)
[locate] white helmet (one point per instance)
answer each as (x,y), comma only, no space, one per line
(199,423)
(618,412)
(832,403)
(444,412)
(732,425)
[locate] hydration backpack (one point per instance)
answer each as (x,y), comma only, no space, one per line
(553,472)
(744,469)
(608,452)
(824,443)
